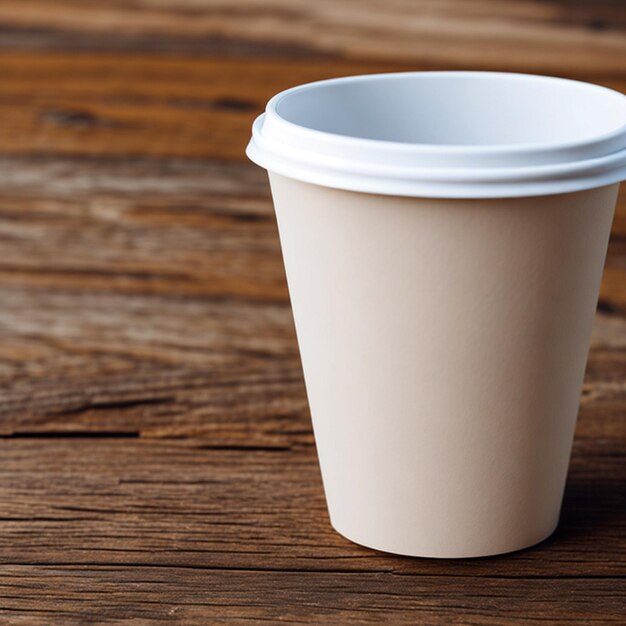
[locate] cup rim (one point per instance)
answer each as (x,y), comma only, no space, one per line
(377,165)
(274,102)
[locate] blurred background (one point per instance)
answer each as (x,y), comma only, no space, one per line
(185,78)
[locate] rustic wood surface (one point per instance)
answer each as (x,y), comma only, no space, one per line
(156,456)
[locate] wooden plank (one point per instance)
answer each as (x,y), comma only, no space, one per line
(142,105)
(208,502)
(526,35)
(194,596)
(184,228)
(93,104)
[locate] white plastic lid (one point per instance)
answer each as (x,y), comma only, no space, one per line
(445,134)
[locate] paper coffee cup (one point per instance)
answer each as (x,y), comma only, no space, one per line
(443,237)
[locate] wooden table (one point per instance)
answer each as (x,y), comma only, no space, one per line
(157,461)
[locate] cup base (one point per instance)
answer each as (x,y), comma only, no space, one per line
(424,552)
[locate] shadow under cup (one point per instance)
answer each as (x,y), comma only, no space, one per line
(443,237)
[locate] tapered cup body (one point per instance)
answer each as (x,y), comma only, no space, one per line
(444,345)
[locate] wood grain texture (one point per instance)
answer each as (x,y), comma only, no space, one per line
(522,34)
(116,104)
(157,462)
(191,596)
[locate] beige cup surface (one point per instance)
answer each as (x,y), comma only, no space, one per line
(444,345)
